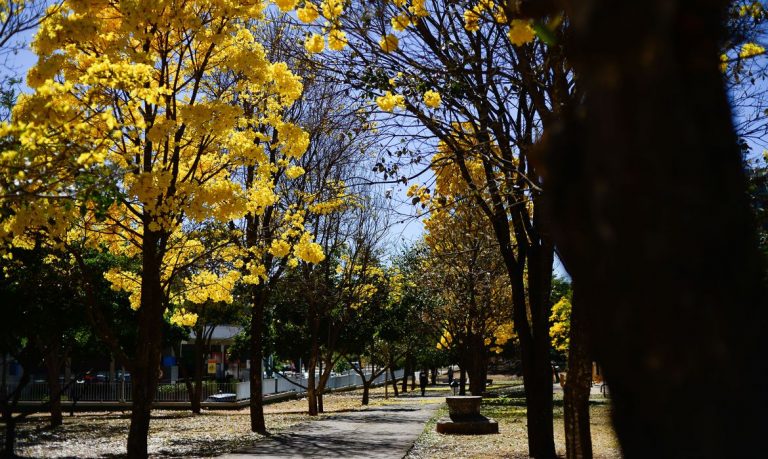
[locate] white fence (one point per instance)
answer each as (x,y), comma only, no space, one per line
(119,391)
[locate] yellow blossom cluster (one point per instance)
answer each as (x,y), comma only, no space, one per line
(308,14)
(751,50)
(183,318)
(314,43)
(389,101)
(561,324)
(520,32)
(432,99)
(389,43)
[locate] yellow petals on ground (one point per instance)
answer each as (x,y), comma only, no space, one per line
(337,40)
(307,14)
(432,99)
(314,43)
(520,32)
(388,102)
(389,43)
(751,50)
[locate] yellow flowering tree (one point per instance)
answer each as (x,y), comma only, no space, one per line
(466,274)
(127,144)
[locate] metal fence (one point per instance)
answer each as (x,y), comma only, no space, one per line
(232,391)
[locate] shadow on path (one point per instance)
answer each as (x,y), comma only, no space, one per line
(378,432)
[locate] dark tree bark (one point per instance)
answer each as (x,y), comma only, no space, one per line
(578,438)
(53,363)
(259,301)
(148,346)
(649,199)
(462,381)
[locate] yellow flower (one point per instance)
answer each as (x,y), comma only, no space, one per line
(723,63)
(279,248)
(308,13)
(294,171)
(285,5)
(389,101)
(332,9)
(432,99)
(401,22)
(389,43)
(520,32)
(751,50)
(314,43)
(337,40)
(471,20)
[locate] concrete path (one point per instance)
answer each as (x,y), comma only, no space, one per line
(378,432)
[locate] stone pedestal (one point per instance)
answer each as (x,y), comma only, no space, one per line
(465,418)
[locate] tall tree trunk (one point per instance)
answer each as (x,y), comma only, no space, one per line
(530,314)
(462,380)
(578,438)
(314,352)
(53,367)
(648,192)
(196,396)
(259,300)
(144,377)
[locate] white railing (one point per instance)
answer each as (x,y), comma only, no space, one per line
(121,391)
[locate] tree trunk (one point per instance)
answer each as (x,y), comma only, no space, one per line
(393,380)
(578,439)
(311,381)
(413,378)
(405,376)
(462,380)
(144,377)
(53,366)
(646,185)
(196,396)
(259,299)
(9,445)
(366,391)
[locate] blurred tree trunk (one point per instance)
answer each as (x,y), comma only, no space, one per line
(649,199)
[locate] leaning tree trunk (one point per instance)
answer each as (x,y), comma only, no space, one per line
(393,380)
(649,196)
(144,378)
(578,439)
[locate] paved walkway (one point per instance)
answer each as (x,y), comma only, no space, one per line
(378,432)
